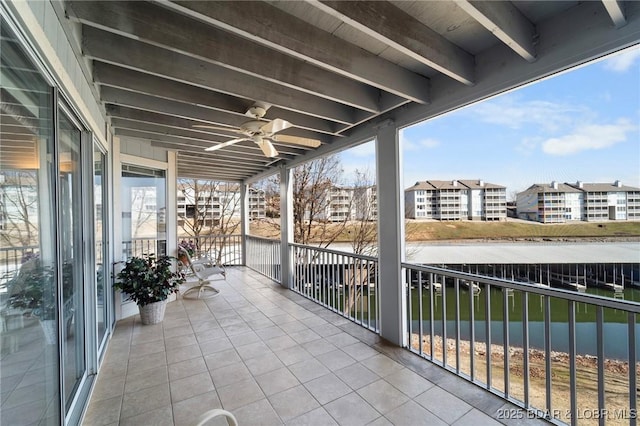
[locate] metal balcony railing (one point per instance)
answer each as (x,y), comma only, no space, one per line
(225,249)
(567,356)
(11,258)
(345,283)
(263,256)
(143,246)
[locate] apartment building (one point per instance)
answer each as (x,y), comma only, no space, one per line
(456,200)
(348,203)
(223,200)
(566,202)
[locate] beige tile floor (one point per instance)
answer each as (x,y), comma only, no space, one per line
(272,357)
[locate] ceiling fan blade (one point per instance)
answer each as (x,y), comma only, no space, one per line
(311,143)
(275,126)
(223,144)
(267,148)
(208,127)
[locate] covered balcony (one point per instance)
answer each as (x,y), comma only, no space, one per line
(106,104)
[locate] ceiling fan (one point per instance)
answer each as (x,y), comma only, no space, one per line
(261,132)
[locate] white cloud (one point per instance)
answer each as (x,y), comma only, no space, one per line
(409,144)
(527,146)
(515,113)
(429,143)
(623,61)
(364,150)
(594,136)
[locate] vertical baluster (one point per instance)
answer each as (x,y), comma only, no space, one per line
(369,264)
(633,357)
(410,310)
(505,335)
(420,324)
(600,351)
(444,319)
(547,350)
(456,288)
(487,327)
(431,316)
(572,363)
(472,335)
(525,345)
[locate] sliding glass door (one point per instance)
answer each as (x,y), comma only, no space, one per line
(100,237)
(71,256)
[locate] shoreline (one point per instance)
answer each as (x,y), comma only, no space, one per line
(616,377)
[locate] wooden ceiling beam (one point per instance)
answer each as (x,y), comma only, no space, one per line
(278,30)
(164,28)
(143,57)
(384,22)
(506,22)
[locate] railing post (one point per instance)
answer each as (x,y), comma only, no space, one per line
(244,220)
(390,234)
(286,227)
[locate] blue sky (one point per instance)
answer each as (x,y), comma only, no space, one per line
(583,124)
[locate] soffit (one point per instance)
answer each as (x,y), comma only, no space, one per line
(336,70)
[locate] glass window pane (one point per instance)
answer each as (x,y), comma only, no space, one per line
(28,315)
(143,211)
(99,230)
(70,233)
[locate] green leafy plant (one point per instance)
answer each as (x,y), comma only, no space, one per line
(148,279)
(33,289)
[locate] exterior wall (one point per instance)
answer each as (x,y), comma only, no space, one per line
(495,204)
(527,206)
(448,206)
(475,207)
(551,207)
(574,206)
(596,206)
(633,205)
(560,206)
(456,201)
(221,201)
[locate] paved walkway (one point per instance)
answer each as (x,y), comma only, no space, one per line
(272,357)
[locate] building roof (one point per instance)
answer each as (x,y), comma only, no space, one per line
(480,184)
(616,186)
(579,187)
(453,184)
(549,187)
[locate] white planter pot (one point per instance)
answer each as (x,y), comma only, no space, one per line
(153,313)
(49,327)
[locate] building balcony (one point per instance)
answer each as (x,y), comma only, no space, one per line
(271,356)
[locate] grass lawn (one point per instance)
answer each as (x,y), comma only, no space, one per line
(511,229)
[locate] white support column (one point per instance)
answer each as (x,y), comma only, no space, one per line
(390,234)
(244,219)
(286,226)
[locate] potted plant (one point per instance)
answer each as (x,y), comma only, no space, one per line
(32,292)
(149,281)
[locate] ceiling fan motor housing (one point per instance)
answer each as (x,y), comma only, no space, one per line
(256,111)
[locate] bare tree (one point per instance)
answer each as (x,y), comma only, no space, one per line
(363,235)
(140,197)
(19,209)
(210,215)
(362,230)
(312,185)
(198,206)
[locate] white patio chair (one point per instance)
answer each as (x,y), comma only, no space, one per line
(203,269)
(231,419)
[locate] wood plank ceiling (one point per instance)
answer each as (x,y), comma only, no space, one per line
(330,68)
